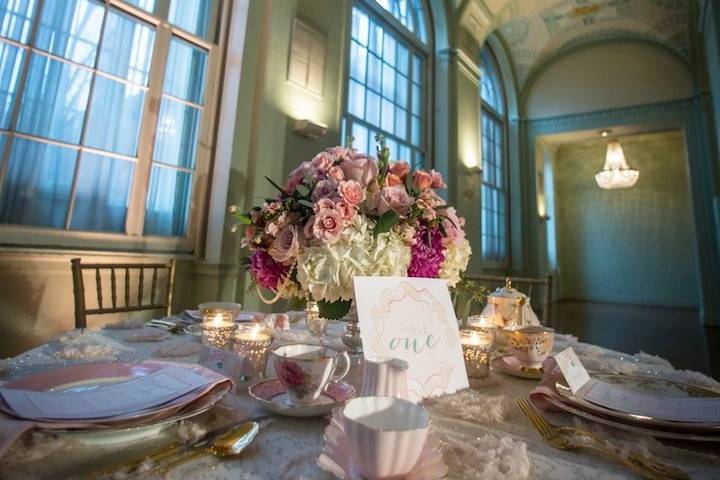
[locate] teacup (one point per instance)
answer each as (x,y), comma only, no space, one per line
(305,370)
(386,435)
(530,345)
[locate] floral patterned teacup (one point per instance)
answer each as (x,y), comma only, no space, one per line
(531,344)
(305,370)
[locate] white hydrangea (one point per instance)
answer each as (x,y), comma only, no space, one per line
(326,271)
(456,260)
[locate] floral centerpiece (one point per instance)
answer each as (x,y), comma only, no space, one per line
(345,214)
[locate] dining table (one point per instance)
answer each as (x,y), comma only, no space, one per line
(481,432)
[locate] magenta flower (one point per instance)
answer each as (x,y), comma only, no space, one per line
(267,272)
(427,253)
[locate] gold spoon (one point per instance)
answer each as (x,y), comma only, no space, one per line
(226,445)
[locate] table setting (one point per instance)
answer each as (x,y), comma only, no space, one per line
(379,376)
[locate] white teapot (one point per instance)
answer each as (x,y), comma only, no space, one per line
(385,377)
(507,307)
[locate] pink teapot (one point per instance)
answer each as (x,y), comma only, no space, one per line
(385,377)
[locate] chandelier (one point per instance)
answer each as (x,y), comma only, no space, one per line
(616,173)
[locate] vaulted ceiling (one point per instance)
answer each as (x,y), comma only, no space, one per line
(536,30)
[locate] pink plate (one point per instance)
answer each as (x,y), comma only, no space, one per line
(273,397)
(54,377)
(335,457)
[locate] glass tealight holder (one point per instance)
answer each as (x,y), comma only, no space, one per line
(218,332)
(252,341)
(477,347)
(316,325)
(227,310)
(482,323)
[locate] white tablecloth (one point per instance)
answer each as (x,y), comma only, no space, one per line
(482,433)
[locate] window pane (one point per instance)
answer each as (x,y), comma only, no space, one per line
(185,71)
(415,130)
(11,59)
(126,48)
(358,61)
(376,38)
(372,115)
(16,19)
(360,27)
(191,15)
(71,29)
(388,116)
(55,99)
(168,202)
(410,13)
(177,134)
(388,89)
(115,116)
(402,91)
(402,59)
(374,72)
(101,197)
(401,123)
(361,138)
(389,50)
(147,5)
(357,99)
(37,184)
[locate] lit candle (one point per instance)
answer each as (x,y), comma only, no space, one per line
(253,334)
(218,329)
(476,346)
(252,341)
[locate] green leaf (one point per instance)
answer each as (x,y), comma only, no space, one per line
(388,220)
(243,218)
(334,310)
(307,203)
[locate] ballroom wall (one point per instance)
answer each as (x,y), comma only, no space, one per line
(621,245)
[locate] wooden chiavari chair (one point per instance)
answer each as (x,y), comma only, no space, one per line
(129,304)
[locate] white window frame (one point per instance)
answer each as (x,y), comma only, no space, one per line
(376,12)
(132,240)
(501,118)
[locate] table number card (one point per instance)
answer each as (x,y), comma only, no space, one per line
(413,319)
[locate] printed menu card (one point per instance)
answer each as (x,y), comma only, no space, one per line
(413,319)
(112,400)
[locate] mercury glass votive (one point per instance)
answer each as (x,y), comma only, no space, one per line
(252,340)
(477,346)
(218,331)
(316,325)
(227,310)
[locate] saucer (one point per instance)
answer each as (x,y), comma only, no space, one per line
(335,457)
(511,366)
(273,396)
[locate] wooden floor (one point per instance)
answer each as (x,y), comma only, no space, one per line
(672,333)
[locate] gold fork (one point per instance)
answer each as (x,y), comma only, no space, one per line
(570,438)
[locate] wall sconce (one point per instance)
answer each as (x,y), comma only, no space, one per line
(309,128)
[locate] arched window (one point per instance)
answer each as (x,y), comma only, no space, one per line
(494,190)
(387,83)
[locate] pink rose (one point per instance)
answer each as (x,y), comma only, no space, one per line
(453,225)
(322,161)
(391,180)
(422,180)
(361,168)
(352,192)
(437,180)
(298,175)
(286,246)
(400,169)
(393,198)
(323,189)
(323,204)
(336,174)
(327,225)
(339,153)
(346,210)
(291,374)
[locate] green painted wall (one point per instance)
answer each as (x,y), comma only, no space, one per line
(631,246)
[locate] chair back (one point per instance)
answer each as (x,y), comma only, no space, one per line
(134,300)
(526,285)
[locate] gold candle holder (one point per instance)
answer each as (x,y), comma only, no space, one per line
(477,346)
(316,325)
(218,332)
(252,341)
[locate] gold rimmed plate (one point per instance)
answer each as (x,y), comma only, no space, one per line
(511,366)
(648,386)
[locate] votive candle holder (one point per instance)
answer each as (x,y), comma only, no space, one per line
(252,341)
(218,332)
(477,346)
(316,325)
